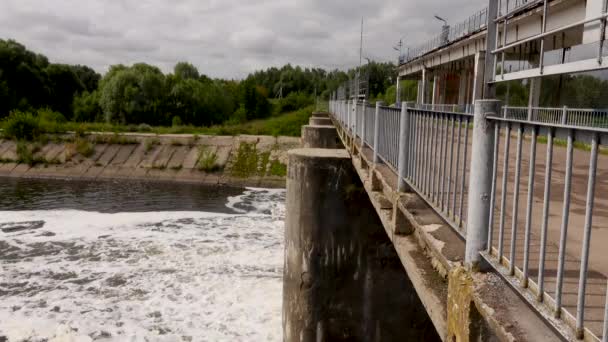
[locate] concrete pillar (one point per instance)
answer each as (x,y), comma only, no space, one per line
(315,136)
(419,95)
(480,181)
(534,96)
(488,89)
(398,92)
(320,121)
(342,280)
(478,76)
(462,88)
(423,95)
(320,115)
(435,97)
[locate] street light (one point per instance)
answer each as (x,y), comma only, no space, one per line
(445,30)
(445,23)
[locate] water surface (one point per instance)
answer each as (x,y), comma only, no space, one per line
(122,261)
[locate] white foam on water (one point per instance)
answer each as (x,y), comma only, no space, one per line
(162,276)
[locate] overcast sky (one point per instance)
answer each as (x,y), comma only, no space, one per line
(223,38)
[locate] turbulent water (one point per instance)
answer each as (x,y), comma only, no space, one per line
(75,275)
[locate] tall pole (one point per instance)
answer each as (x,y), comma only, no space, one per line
(360,60)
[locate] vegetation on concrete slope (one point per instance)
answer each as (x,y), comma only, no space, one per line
(249,161)
(207,159)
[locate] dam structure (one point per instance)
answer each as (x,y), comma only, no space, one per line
(494,211)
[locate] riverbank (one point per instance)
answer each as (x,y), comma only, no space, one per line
(256,161)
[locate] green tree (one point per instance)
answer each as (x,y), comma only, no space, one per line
(186,71)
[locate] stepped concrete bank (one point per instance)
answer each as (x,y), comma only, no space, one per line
(225,160)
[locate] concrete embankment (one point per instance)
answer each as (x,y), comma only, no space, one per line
(239,161)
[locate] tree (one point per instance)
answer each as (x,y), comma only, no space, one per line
(64,84)
(133,95)
(185,71)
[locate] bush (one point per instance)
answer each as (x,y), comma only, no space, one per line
(294,101)
(22,126)
(207,160)
(25,153)
(84,148)
(48,115)
(177,121)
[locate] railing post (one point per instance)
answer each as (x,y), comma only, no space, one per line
(363,124)
(353,119)
(404,124)
(480,181)
(565,115)
(377,130)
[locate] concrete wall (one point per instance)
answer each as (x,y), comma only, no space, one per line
(239,161)
(343,280)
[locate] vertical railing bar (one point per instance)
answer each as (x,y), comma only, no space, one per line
(582,284)
(444,175)
(514,215)
(529,206)
(605,330)
(503,195)
(457,179)
(545,222)
(564,227)
(425,173)
(440,155)
(493,191)
(432,156)
(451,167)
(464,173)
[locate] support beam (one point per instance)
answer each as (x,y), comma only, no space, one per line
(534,97)
(480,184)
(462,87)
(488,88)
(478,76)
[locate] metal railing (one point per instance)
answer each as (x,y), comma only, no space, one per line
(471,25)
(559,116)
(438,146)
(448,108)
(459,164)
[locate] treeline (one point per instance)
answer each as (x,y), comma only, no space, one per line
(143,94)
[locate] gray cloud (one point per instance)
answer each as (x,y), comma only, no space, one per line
(224,38)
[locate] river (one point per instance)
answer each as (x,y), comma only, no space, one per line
(125,261)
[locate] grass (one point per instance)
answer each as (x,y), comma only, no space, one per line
(26,153)
(207,160)
(250,162)
(85,148)
(150,144)
(288,124)
(277,168)
(115,139)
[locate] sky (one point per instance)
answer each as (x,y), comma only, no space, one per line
(224,38)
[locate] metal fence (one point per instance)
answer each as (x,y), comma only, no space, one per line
(436,153)
(559,116)
(473,24)
(448,108)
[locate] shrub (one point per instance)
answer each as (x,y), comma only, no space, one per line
(150,143)
(48,115)
(25,153)
(207,160)
(294,101)
(144,128)
(21,126)
(177,121)
(84,148)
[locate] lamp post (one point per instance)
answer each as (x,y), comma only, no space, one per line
(445,29)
